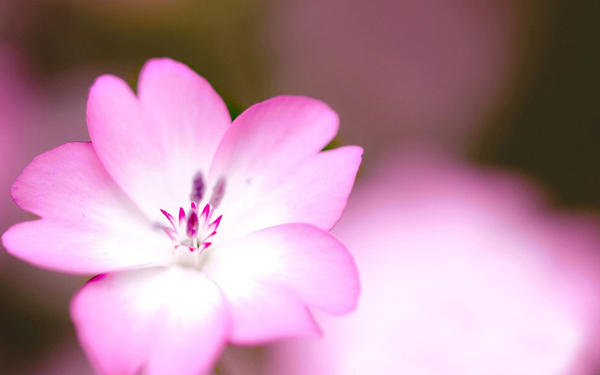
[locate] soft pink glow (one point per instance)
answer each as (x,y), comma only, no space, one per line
(104,209)
(400,69)
(463,272)
(33,120)
(16,108)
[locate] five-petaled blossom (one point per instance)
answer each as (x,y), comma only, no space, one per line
(202,231)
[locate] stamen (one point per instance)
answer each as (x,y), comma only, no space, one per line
(215,224)
(204,214)
(170,218)
(203,246)
(197,188)
(209,236)
(218,193)
(194,227)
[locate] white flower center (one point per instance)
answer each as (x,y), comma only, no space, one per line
(192,231)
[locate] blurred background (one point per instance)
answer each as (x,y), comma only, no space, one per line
(494,103)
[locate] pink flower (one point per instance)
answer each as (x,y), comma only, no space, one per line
(463,271)
(203,231)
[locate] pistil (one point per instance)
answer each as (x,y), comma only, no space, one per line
(193,229)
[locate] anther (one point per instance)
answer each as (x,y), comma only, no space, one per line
(218,193)
(197,188)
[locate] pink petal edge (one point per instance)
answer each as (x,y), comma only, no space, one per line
(271,155)
(159,320)
(88,224)
(155,143)
(297,265)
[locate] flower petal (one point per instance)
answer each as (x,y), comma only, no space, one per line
(154,145)
(160,320)
(262,312)
(273,147)
(314,191)
(88,224)
(270,277)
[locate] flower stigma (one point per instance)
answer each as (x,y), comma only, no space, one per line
(193,230)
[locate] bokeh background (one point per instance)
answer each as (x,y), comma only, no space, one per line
(439,93)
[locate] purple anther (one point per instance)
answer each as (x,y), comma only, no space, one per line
(197,188)
(192,225)
(218,193)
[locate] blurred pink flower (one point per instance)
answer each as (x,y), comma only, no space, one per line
(16,107)
(243,264)
(462,272)
(409,69)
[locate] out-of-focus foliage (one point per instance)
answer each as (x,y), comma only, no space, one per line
(552,129)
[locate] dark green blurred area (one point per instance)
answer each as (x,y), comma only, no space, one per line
(219,39)
(26,329)
(552,133)
(547,127)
